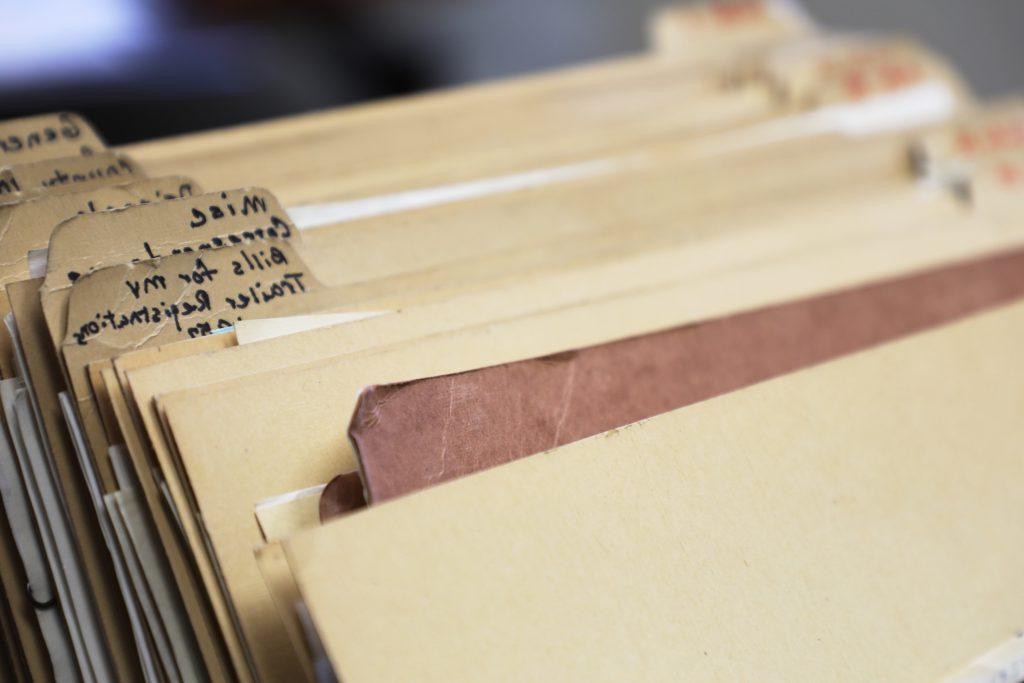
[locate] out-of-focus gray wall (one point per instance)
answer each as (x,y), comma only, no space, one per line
(148,68)
(490,38)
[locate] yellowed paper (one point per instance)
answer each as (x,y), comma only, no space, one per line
(208,423)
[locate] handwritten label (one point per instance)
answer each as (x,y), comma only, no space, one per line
(225,208)
(98,243)
(27,226)
(27,180)
(193,224)
(96,171)
(48,136)
(1009,173)
(725,13)
(186,294)
(157,192)
(997,136)
(208,214)
(248,205)
(9,183)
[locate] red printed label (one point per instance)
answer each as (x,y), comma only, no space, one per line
(737,12)
(996,136)
(1010,173)
(865,73)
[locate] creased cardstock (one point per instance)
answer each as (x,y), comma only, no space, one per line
(27,225)
(66,174)
(186,294)
(89,242)
(284,515)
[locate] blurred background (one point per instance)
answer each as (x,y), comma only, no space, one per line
(149,68)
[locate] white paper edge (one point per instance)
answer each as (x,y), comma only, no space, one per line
(307,216)
(11,390)
(108,530)
(1002,664)
(149,670)
(262,329)
(52,624)
(158,578)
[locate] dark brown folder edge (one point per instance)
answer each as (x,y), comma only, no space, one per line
(413,435)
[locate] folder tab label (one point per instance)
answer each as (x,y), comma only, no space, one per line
(995,186)
(47,136)
(26,227)
(829,71)
(951,152)
(196,223)
(24,181)
(188,293)
(703,28)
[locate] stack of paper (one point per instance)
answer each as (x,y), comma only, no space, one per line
(692,363)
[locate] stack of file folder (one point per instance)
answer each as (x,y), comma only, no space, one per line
(704,363)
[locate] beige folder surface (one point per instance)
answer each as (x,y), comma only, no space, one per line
(649,179)
(213,645)
(484,224)
(305,409)
(355,275)
(663,189)
(468,309)
(480,269)
(851,521)
(536,123)
(883,156)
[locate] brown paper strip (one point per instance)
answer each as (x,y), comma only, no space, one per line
(414,435)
